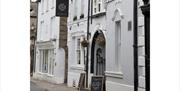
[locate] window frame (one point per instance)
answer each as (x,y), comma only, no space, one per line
(97,7)
(46,61)
(118,34)
(78,51)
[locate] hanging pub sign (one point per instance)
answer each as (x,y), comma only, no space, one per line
(62,8)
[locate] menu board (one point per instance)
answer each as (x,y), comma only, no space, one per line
(81,81)
(97,83)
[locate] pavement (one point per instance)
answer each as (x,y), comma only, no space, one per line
(39,85)
(34,87)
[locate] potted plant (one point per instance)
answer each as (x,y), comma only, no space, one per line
(75,18)
(100,40)
(82,16)
(84,43)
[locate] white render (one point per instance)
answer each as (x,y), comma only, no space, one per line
(120,11)
(76,30)
(119,75)
(48,39)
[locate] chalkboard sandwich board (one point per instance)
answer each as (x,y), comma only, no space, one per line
(97,83)
(81,81)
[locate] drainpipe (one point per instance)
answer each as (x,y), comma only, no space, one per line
(146,12)
(135,46)
(87,55)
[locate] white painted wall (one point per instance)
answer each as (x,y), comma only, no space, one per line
(76,29)
(48,30)
(120,10)
(122,79)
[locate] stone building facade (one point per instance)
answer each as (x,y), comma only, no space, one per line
(51,48)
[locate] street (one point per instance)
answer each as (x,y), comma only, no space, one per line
(38,85)
(34,87)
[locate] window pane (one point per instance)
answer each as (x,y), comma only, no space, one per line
(78,52)
(99,7)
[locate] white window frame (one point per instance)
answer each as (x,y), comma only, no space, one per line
(47,5)
(78,51)
(82,6)
(96,8)
(75,8)
(52,4)
(42,7)
(46,60)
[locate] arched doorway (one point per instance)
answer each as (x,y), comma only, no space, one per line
(98,52)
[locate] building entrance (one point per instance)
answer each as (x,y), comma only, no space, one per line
(98,58)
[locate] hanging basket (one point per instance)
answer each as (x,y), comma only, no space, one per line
(84,43)
(100,40)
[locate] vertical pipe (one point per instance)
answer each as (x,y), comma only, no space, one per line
(135,47)
(87,56)
(147,53)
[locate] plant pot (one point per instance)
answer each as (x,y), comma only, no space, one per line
(100,40)
(84,43)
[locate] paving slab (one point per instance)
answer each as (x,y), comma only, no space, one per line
(40,85)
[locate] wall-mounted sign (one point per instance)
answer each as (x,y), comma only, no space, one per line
(62,8)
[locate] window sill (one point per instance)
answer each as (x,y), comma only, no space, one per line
(98,14)
(77,67)
(47,74)
(114,74)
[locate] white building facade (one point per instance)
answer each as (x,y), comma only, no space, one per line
(111,41)
(77,29)
(50,58)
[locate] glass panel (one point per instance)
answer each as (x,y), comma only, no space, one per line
(46,61)
(40,61)
(49,61)
(99,7)
(78,52)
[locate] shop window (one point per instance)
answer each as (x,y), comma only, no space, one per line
(46,62)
